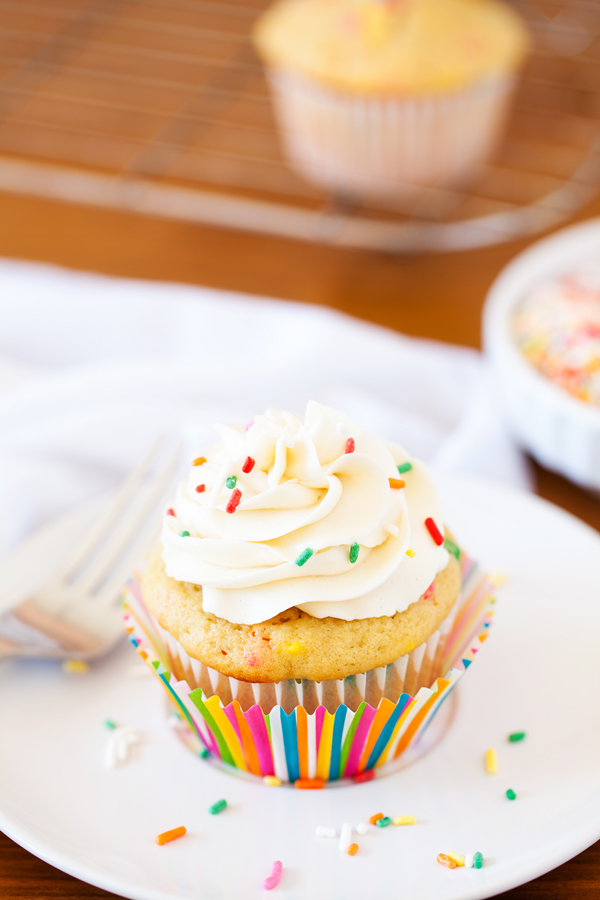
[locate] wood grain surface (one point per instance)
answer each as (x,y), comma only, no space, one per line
(438,296)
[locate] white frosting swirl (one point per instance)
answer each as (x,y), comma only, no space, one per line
(304,492)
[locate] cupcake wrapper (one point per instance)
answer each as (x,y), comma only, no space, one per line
(306,729)
(382,145)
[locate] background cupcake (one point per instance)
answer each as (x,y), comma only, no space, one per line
(378,97)
(303,573)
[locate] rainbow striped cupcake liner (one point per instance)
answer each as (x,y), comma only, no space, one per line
(347,729)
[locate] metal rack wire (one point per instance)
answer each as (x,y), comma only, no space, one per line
(161,106)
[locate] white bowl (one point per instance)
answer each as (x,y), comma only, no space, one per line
(560,431)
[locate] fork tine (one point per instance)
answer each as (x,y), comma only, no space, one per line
(141,509)
(86,547)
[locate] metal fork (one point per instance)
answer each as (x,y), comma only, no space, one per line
(76,613)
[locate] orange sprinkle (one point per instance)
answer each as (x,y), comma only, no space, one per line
(446,860)
(351,850)
(167,836)
(374,819)
(309,784)
(396,483)
(200,460)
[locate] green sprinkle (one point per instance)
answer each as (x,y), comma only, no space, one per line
(452,548)
(231,482)
(516,736)
(383,823)
(354,550)
(204,753)
(304,556)
(405,467)
(110,724)
(477,860)
(511,794)
(184,534)
(217,807)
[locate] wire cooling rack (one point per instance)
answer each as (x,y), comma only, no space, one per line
(162,107)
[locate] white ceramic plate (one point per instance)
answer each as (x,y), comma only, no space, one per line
(538,672)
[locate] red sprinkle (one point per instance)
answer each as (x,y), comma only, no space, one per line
(367,775)
(434,531)
(234,500)
(350,445)
(429,591)
(201,488)
(170,512)
(249,464)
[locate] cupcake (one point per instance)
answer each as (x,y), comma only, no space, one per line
(374,98)
(305,608)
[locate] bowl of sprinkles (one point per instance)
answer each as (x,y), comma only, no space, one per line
(306,610)
(541,330)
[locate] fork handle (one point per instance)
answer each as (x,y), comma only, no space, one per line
(70,637)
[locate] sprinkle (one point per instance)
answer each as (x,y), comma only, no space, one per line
(478,860)
(199,461)
(309,784)
(396,483)
(511,794)
(304,556)
(345,836)
(201,488)
(392,529)
(362,828)
(248,465)
(367,775)
(383,822)
(354,551)
(275,876)
(404,467)
(184,534)
(170,512)
(516,736)
(204,753)
(234,501)
(452,548)
(434,531)
(410,552)
(75,666)
(231,482)
(458,859)
(217,807)
(429,591)
(323,831)
(350,445)
(469,860)
(404,820)
(352,850)
(272,781)
(171,835)
(491,763)
(446,860)
(374,819)
(110,724)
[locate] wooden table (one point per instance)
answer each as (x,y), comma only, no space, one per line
(437,296)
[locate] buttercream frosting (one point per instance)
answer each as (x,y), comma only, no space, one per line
(316,489)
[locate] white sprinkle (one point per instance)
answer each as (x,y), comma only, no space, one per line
(345,836)
(362,828)
(392,529)
(469,860)
(323,831)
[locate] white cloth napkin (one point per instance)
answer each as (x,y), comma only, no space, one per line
(91,367)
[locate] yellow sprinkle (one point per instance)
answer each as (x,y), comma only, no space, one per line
(491,763)
(458,859)
(498,578)
(272,781)
(75,666)
(199,461)
(404,820)
(410,552)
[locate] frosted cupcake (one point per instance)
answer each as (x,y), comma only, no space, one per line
(377,97)
(303,573)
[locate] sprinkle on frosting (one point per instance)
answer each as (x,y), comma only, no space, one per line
(404,467)
(396,483)
(200,488)
(354,551)
(199,461)
(350,445)
(170,512)
(184,534)
(234,501)
(304,557)
(410,552)
(434,531)
(249,464)
(231,482)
